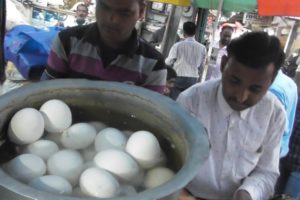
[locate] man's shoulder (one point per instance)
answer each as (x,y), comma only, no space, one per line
(271,102)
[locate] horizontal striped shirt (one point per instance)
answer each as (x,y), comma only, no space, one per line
(78,52)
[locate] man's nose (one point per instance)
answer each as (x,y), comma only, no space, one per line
(242,96)
(114,18)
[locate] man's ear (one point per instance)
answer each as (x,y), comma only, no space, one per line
(224,61)
(142,11)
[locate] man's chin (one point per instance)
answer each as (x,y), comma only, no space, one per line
(238,107)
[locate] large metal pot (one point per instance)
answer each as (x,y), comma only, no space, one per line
(181,136)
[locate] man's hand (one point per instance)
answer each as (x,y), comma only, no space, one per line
(184,195)
(242,195)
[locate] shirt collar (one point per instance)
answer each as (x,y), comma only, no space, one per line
(225,108)
(190,38)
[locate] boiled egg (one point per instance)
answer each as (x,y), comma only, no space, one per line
(99,183)
(110,138)
(26,126)
(25,167)
(53,184)
(57,115)
(42,148)
(157,176)
(78,136)
(118,163)
(67,164)
(144,148)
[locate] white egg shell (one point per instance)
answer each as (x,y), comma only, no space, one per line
(88,153)
(157,176)
(26,126)
(98,125)
(53,184)
(26,167)
(42,148)
(118,163)
(127,190)
(110,138)
(99,183)
(57,115)
(67,164)
(78,136)
(144,147)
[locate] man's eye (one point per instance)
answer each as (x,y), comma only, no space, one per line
(234,81)
(255,90)
(125,14)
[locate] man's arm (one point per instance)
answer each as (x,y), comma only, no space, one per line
(57,65)
(260,183)
(172,55)
(157,79)
(203,56)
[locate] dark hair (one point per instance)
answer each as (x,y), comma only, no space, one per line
(189,28)
(227,27)
(82,5)
(257,50)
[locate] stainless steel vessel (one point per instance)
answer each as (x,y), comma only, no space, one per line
(181,136)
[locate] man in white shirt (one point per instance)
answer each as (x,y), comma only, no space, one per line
(244,122)
(218,51)
(187,57)
(80,17)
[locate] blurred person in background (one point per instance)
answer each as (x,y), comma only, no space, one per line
(80,17)
(218,51)
(187,58)
(289,179)
(285,89)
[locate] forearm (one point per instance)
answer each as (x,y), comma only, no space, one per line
(260,185)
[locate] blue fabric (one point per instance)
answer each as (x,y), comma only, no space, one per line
(286,91)
(28,47)
(293,185)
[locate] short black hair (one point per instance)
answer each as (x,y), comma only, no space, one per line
(257,50)
(82,5)
(227,27)
(189,28)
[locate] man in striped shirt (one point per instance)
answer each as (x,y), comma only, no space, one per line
(187,57)
(109,49)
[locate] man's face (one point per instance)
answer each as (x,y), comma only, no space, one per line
(81,12)
(243,86)
(225,36)
(116,19)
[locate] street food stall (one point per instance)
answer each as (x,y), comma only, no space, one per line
(49,111)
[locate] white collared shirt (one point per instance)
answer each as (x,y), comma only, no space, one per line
(245,145)
(187,56)
(214,64)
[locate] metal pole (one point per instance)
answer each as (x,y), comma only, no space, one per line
(291,38)
(171,29)
(201,24)
(2,33)
(213,39)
